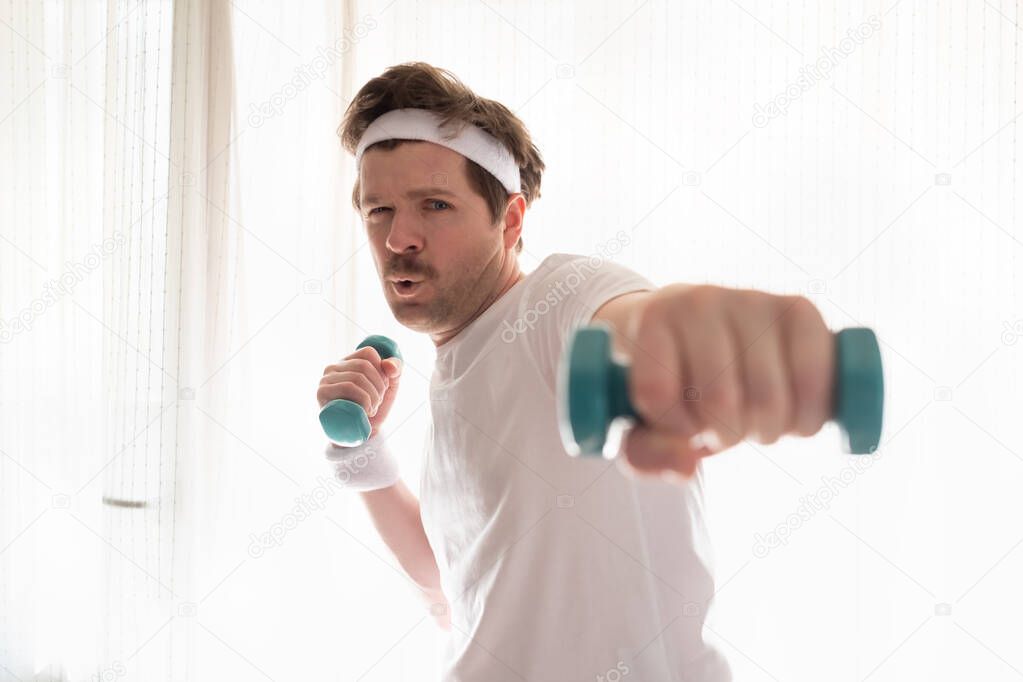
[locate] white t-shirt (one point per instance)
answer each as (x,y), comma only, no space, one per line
(556,568)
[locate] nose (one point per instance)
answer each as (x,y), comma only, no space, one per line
(405,234)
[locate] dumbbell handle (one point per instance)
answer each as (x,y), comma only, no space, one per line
(857,396)
(344,421)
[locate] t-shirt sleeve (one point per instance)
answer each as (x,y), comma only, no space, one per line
(564,295)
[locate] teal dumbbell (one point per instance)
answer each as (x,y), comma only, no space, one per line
(344,421)
(593,390)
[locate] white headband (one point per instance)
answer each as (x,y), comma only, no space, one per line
(472,142)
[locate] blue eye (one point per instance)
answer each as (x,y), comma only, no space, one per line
(384,208)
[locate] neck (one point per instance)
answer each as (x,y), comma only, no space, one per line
(510,275)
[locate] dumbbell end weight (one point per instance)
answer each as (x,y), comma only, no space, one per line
(858,401)
(344,421)
(593,390)
(587,403)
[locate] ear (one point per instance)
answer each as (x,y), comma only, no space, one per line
(514,216)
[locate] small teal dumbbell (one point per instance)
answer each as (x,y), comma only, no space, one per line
(593,390)
(344,421)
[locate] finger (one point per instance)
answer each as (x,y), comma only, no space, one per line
(347,391)
(767,402)
(374,390)
(363,366)
(368,353)
(358,353)
(651,452)
(392,367)
(810,358)
(654,378)
(388,398)
(713,370)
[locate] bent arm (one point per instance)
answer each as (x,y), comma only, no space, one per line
(395,514)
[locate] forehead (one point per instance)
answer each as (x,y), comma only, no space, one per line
(411,169)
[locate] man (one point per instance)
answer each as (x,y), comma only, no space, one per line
(553,568)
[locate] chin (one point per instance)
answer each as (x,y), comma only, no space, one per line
(411,315)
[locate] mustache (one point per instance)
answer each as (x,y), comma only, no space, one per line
(407,269)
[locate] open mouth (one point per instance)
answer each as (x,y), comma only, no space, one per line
(405,287)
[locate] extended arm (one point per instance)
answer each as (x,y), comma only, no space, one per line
(712,366)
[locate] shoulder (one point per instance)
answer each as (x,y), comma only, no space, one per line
(561,294)
(561,275)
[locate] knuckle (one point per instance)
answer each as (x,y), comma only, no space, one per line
(767,419)
(721,398)
(762,431)
(349,390)
(370,352)
(363,365)
(703,298)
(333,392)
(751,300)
(801,309)
(809,419)
(762,400)
(808,427)
(809,386)
(360,382)
(356,394)
(653,393)
(328,391)
(810,422)
(367,354)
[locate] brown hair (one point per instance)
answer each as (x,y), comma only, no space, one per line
(422,86)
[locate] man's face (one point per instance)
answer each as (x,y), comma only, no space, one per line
(426,225)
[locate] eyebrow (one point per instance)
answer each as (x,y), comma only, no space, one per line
(415,194)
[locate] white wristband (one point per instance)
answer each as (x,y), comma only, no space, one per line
(369,466)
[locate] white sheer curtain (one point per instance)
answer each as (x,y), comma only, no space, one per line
(179,260)
(88,444)
(171,291)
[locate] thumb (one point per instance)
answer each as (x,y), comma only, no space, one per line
(648,451)
(393,367)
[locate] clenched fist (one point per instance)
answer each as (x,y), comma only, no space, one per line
(712,366)
(363,378)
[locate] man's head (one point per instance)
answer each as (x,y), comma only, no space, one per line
(430,213)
